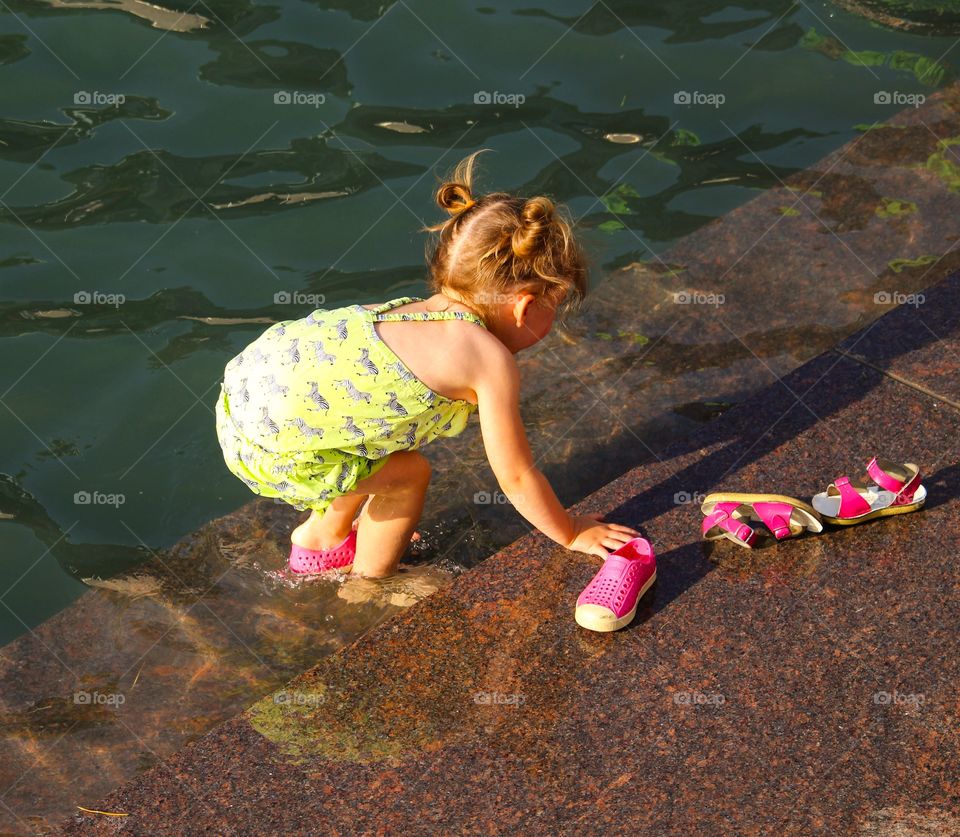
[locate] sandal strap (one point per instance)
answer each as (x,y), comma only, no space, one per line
(905,496)
(882,478)
(722,516)
(903,490)
(776,517)
(852,503)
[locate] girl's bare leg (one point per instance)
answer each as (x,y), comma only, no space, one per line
(327,530)
(416,536)
(397,492)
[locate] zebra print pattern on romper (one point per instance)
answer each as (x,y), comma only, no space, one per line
(351,428)
(402,372)
(354,393)
(268,422)
(394,404)
(320,355)
(367,365)
(341,328)
(273,387)
(254,487)
(294,351)
(410,437)
(305,429)
(318,399)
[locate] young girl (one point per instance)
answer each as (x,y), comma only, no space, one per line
(329,412)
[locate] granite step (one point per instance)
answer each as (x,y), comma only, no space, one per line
(805,687)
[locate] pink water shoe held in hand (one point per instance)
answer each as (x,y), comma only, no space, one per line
(609,601)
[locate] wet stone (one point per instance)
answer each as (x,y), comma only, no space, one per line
(806,686)
(201,631)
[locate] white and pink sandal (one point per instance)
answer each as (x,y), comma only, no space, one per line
(729,516)
(888,489)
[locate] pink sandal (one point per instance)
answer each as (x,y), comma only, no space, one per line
(889,489)
(609,601)
(785,517)
(305,561)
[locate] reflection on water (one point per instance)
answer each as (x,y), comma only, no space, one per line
(147,239)
(160,17)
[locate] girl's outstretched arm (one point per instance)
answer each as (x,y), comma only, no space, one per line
(496,381)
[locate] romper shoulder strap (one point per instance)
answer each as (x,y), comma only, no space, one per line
(380,313)
(393,303)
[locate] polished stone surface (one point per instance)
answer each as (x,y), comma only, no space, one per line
(923,347)
(804,687)
(654,355)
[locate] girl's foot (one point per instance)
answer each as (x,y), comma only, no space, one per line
(316,534)
(324,542)
(305,561)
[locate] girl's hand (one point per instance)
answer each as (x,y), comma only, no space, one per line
(594,537)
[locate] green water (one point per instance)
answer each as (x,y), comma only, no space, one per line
(170,205)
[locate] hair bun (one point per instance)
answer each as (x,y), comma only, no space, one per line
(454,197)
(536,216)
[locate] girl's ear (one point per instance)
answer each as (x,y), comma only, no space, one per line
(520,308)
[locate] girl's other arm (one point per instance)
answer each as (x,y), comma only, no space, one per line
(497,385)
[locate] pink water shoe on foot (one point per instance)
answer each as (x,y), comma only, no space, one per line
(305,561)
(609,601)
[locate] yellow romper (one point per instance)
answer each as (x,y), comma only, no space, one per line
(315,405)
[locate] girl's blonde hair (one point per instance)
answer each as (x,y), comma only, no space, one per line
(500,244)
